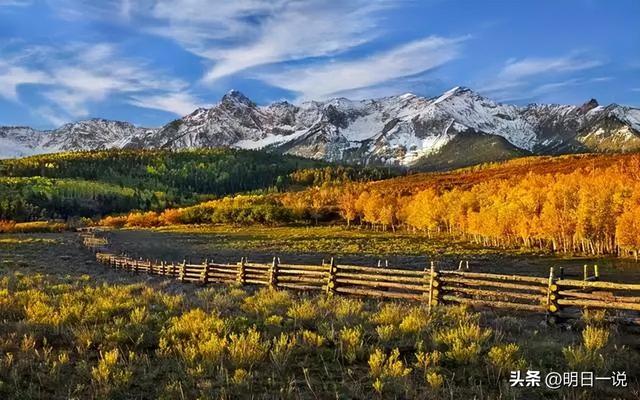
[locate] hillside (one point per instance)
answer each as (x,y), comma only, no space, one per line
(216,171)
(470,149)
(464,178)
(103,182)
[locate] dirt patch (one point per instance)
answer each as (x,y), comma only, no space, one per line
(62,255)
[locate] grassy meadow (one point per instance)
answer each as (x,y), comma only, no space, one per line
(74,329)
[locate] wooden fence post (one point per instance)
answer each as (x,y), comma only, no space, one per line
(242,274)
(173,268)
(273,273)
(135,266)
(204,274)
(183,270)
(434,285)
(596,272)
(427,285)
(331,277)
(552,294)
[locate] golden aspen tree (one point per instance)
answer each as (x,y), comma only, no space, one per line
(628,230)
(372,208)
(347,204)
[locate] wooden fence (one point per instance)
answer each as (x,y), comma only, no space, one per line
(553,295)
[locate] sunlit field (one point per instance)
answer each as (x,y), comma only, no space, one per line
(65,338)
(73,328)
(335,239)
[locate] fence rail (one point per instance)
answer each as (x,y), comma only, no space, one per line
(553,295)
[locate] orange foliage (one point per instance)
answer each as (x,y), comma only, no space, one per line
(114,222)
(628,230)
(171,216)
(6,226)
(592,208)
(31,227)
(143,220)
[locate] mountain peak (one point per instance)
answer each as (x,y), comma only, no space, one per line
(407,95)
(235,96)
(455,91)
(458,90)
(589,105)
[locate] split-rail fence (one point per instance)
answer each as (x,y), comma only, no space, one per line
(553,295)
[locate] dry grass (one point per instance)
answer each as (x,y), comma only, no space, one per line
(62,338)
(72,329)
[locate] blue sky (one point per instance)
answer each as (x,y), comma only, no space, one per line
(150,61)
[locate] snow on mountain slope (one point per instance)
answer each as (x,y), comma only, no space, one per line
(474,111)
(91,134)
(401,130)
(20,141)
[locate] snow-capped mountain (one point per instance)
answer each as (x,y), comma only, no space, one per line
(456,128)
(92,134)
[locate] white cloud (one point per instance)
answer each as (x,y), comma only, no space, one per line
(529,77)
(518,69)
(51,115)
(97,72)
(298,31)
(554,86)
(323,80)
(77,76)
(12,77)
(601,79)
(234,36)
(253,36)
(177,103)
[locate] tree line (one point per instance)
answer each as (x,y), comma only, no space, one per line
(97,183)
(590,210)
(182,173)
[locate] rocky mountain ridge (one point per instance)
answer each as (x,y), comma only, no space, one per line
(403,130)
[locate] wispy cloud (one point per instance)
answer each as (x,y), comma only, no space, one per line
(51,115)
(76,76)
(529,77)
(234,36)
(311,43)
(180,103)
(299,31)
(552,87)
(13,76)
(518,69)
(323,80)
